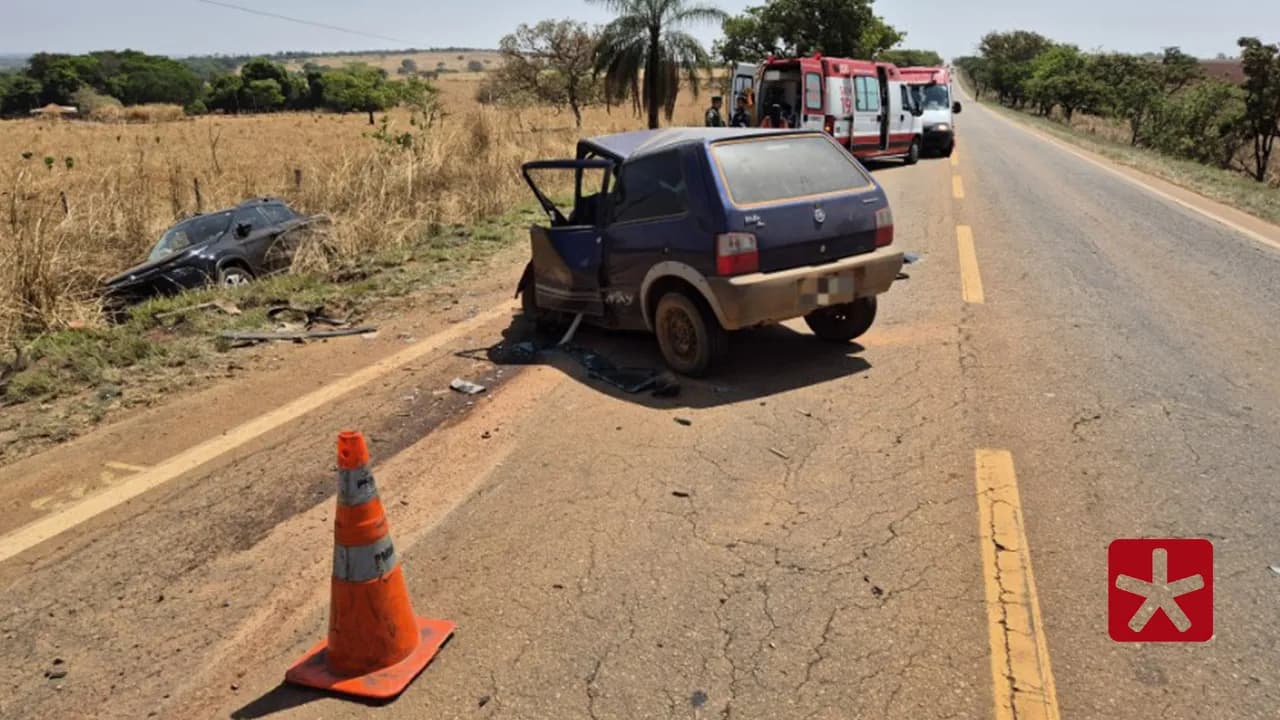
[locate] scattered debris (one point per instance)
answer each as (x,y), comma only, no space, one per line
(484,700)
(249,338)
(466,386)
(486,435)
(598,367)
(55,674)
(805,413)
(1275,568)
(876,591)
(573,329)
(698,699)
(557,586)
(779,453)
(235,687)
(683,421)
(910,258)
(680,493)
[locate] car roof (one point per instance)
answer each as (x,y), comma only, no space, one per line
(638,143)
(261,201)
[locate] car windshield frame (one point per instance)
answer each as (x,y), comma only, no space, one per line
(867,182)
(209,227)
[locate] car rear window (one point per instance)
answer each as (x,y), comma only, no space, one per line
(785,168)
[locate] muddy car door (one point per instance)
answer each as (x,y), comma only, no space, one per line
(566,253)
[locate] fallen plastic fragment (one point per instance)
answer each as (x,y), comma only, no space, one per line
(684,421)
(779,453)
(466,386)
(296,335)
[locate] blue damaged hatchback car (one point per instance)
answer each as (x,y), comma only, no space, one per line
(695,232)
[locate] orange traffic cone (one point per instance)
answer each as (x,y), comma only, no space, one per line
(376,646)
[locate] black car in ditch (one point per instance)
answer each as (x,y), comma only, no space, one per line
(227,247)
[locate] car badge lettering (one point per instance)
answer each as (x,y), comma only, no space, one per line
(753,220)
(819,215)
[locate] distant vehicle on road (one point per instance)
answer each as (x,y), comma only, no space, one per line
(227,247)
(863,104)
(931,87)
(693,232)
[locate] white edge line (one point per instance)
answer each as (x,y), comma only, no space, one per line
(50,526)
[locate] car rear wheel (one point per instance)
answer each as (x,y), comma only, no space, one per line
(842,323)
(233,275)
(689,335)
(913,154)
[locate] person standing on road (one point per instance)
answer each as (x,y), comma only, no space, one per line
(741,118)
(714,119)
(774,118)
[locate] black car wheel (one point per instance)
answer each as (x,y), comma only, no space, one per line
(233,275)
(842,323)
(913,154)
(689,334)
(951,146)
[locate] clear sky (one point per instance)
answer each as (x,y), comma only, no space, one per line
(952,27)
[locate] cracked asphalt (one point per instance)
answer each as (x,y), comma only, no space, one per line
(808,545)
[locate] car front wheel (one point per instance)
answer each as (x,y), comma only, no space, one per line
(233,275)
(689,335)
(842,323)
(913,154)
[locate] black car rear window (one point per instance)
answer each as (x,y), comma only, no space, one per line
(786,167)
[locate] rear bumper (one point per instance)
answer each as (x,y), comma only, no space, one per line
(761,298)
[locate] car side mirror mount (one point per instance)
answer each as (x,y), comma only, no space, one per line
(243,230)
(955,107)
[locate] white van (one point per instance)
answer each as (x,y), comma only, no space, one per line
(931,87)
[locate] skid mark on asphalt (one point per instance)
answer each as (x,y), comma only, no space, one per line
(1022,680)
(52,525)
(970,277)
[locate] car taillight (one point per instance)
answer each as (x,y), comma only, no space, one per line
(884,226)
(829,124)
(736,253)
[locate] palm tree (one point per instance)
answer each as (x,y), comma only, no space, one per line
(645,41)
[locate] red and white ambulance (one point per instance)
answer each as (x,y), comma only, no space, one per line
(864,105)
(931,87)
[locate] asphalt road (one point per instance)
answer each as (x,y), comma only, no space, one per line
(836,533)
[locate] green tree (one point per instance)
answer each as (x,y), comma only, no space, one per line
(1204,122)
(224,93)
(549,63)
(840,28)
(1008,58)
(408,66)
(910,58)
(1134,89)
(1061,77)
(1261,65)
(644,45)
(263,95)
(975,68)
(357,88)
(19,94)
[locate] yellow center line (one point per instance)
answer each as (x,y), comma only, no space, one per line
(957,187)
(955,156)
(970,278)
(1021,677)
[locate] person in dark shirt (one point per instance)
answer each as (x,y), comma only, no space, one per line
(714,119)
(741,118)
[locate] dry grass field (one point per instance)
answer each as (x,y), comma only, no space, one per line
(83,200)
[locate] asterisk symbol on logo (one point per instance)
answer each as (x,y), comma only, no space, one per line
(1160,594)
